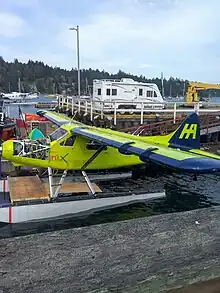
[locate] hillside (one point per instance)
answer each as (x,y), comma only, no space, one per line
(37,76)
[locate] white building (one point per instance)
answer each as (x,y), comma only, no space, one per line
(127,93)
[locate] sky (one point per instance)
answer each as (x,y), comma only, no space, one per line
(180,38)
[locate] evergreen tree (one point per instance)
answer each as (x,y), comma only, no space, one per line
(36,76)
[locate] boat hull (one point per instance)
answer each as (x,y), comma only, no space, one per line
(7,131)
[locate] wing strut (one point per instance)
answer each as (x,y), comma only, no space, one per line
(92,158)
(86,164)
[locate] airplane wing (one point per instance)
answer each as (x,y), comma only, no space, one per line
(162,155)
(56,118)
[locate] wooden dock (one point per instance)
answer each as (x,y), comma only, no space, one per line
(26,188)
(147,255)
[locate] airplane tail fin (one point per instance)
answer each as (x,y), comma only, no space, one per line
(187,135)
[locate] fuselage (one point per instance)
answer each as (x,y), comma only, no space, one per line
(69,152)
(66,151)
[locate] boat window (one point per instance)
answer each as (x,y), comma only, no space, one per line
(140,92)
(114,92)
(93,145)
(155,94)
(69,141)
(149,94)
(108,92)
(99,92)
(57,134)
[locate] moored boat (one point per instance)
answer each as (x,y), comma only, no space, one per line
(7,125)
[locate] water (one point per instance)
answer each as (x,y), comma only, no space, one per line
(13,110)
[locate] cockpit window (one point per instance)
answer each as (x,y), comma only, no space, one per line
(69,141)
(57,134)
(17,147)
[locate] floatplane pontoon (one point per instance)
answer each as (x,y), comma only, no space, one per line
(76,146)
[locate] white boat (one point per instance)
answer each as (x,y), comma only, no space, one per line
(126,94)
(16,96)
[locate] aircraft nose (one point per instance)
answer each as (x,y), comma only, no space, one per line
(7,149)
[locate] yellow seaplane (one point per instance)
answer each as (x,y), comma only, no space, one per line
(76,146)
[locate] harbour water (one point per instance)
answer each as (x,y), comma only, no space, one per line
(13,110)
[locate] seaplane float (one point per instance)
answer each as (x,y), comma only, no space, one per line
(76,146)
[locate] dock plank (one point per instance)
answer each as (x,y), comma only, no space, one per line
(26,188)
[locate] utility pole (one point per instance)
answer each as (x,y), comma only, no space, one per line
(162,84)
(78,65)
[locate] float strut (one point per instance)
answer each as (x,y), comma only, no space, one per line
(88,183)
(52,185)
(50,176)
(89,161)
(60,183)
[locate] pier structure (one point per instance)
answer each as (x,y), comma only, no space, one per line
(129,114)
(147,119)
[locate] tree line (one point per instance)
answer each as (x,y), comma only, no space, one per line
(35,76)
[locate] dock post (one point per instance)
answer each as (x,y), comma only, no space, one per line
(115,113)
(86,107)
(196,108)
(174,114)
(91,114)
(142,112)
(67,103)
(102,109)
(72,106)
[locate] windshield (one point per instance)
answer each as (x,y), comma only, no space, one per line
(57,134)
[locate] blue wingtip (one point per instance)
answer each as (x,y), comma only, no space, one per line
(200,165)
(197,165)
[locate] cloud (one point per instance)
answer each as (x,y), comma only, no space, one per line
(146,32)
(11,25)
(145,65)
(179,37)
